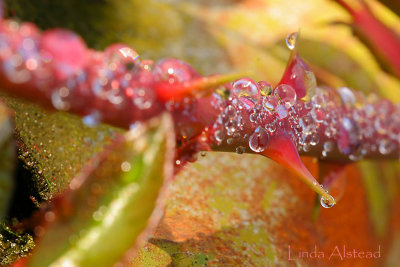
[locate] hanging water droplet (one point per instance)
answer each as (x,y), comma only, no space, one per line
(327,202)
(291,40)
(259,140)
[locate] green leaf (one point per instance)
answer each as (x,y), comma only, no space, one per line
(55,145)
(113,203)
(7,160)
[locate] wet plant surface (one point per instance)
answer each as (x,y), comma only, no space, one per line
(98,134)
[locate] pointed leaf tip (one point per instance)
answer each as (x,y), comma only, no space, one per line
(282,150)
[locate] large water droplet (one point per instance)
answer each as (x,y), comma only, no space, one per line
(291,40)
(327,202)
(259,140)
(120,57)
(247,91)
(286,94)
(174,70)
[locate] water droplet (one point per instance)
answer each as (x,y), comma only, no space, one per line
(92,119)
(318,114)
(247,91)
(328,146)
(222,92)
(286,94)
(174,70)
(307,124)
(143,98)
(125,166)
(281,111)
(60,45)
(310,83)
(265,88)
(259,140)
(270,103)
(347,97)
(291,40)
(121,57)
(314,139)
(240,149)
(59,98)
(219,135)
(327,202)
(386,146)
(349,136)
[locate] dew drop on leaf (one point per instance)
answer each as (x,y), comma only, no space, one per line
(259,140)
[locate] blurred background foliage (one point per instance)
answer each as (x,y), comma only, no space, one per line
(224,209)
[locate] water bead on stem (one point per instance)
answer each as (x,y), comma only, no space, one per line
(286,94)
(247,91)
(259,140)
(270,103)
(265,88)
(66,50)
(174,70)
(120,57)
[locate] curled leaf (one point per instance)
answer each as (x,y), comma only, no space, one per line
(112,204)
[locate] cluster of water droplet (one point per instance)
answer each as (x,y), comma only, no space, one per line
(328,121)
(76,78)
(334,120)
